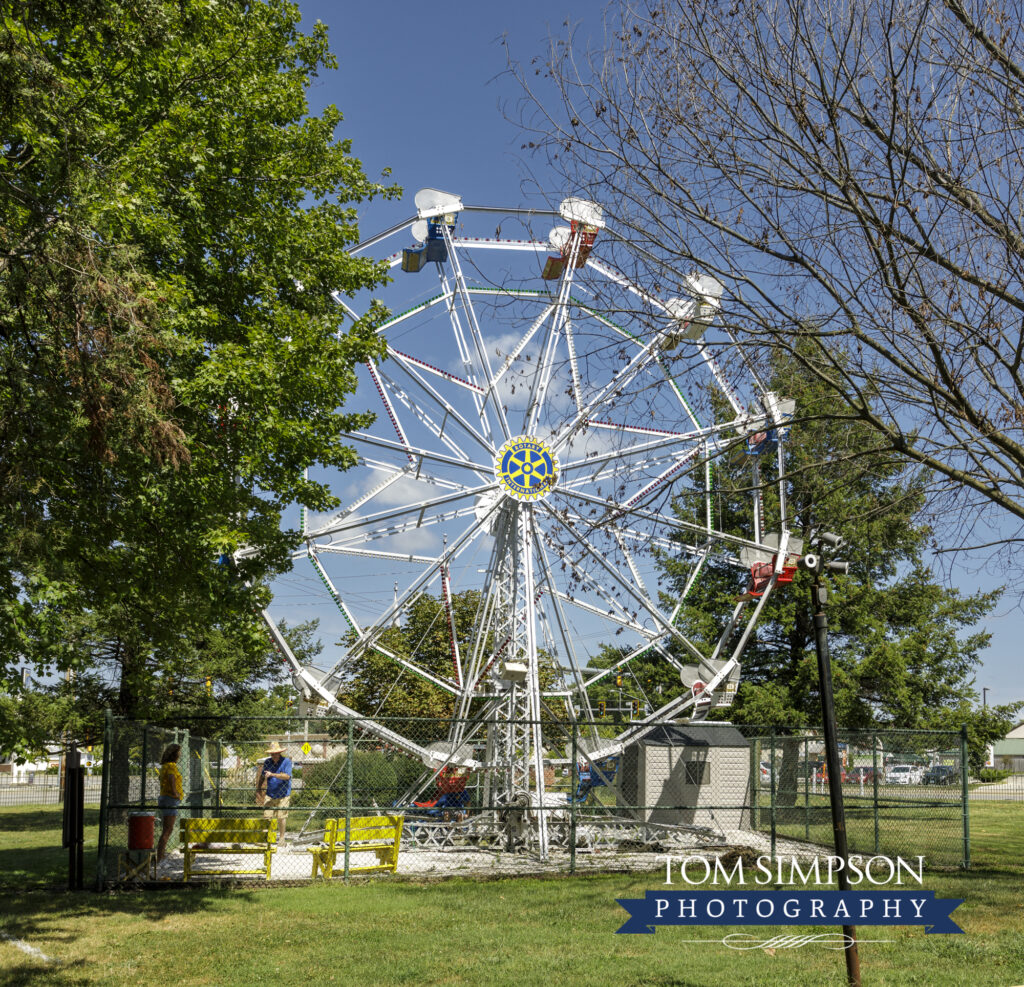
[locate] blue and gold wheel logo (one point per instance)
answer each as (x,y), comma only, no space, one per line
(526,468)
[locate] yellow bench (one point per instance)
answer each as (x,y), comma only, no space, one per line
(379,834)
(228,836)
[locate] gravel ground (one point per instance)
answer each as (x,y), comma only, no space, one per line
(294,862)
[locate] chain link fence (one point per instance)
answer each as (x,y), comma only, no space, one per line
(904,791)
(400,796)
(998,785)
(42,788)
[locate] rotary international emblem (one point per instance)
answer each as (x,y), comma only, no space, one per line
(526,468)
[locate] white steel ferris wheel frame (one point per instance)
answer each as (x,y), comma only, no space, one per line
(454,430)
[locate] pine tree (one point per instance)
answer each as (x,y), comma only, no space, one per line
(902,643)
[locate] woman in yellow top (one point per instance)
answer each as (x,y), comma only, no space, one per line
(171,794)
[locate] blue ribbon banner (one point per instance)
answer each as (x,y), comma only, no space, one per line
(802,907)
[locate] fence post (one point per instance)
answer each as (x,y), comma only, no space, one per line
(771,785)
(189,812)
(964,793)
(142,770)
(573,784)
(101,841)
(220,759)
(807,794)
(74,809)
(348,797)
(755,788)
(874,781)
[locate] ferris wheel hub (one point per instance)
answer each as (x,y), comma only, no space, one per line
(526,468)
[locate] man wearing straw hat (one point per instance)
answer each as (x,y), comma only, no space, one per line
(276,773)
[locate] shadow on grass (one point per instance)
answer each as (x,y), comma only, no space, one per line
(40,819)
(33,916)
(31,854)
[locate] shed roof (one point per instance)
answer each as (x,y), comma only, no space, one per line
(696,735)
(1009,747)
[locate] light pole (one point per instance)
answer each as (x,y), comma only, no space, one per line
(816,565)
(984,696)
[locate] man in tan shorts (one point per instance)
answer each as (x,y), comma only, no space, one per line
(276,774)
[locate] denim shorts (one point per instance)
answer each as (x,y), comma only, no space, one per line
(168,806)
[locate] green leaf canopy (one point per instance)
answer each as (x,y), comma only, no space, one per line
(173,225)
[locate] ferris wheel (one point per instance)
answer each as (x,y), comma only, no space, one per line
(547,428)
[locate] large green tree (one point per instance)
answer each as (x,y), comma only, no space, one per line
(903,645)
(173,225)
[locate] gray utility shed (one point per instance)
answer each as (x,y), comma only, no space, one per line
(689,774)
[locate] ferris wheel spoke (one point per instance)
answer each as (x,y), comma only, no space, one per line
(424,418)
(613,618)
(412,471)
(427,578)
(628,556)
(408,358)
(680,463)
(574,368)
(416,452)
(389,408)
(542,379)
(411,313)
(616,612)
(645,537)
(474,330)
(517,350)
(403,662)
(626,470)
(667,521)
(721,379)
(411,368)
(609,272)
(645,602)
(357,538)
(556,606)
(419,508)
(483,624)
(453,637)
(665,442)
(366,553)
(620,380)
(638,652)
(395,475)
(465,357)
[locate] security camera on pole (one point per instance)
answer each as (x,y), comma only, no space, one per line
(815,564)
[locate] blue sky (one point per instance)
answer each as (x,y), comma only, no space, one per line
(424,92)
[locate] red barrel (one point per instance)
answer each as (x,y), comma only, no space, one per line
(140,830)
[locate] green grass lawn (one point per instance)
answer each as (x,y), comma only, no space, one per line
(519,931)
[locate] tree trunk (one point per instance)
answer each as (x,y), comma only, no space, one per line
(788,781)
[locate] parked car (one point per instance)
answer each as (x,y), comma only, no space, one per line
(766,772)
(903,774)
(941,774)
(854,774)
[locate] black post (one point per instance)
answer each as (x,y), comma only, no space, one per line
(819,597)
(74,817)
(80,827)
